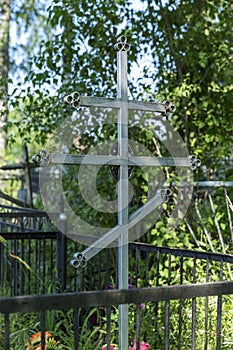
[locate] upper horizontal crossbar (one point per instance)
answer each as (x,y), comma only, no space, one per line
(116,103)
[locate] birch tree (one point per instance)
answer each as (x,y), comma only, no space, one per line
(4,69)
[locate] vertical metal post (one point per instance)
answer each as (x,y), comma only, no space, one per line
(122,86)
(61,254)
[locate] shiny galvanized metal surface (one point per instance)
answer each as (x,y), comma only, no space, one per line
(123,160)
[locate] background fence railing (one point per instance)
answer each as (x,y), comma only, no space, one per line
(39,262)
(36,259)
(33,255)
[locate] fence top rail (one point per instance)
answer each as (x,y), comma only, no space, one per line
(26,214)
(29,235)
(183,252)
(76,300)
(18,209)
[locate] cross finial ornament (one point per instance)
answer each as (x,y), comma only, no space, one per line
(121,44)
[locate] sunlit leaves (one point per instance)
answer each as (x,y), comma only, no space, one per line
(184,52)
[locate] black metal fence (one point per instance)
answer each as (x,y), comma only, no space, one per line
(33,254)
(38,262)
(169,317)
(178,298)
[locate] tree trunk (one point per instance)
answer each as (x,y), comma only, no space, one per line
(4,68)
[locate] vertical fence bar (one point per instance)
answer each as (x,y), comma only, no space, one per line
(157,268)
(107,269)
(194,307)
(11,274)
(29,263)
(206,309)
(137,252)
(108,320)
(1,265)
(83,278)
(74,284)
(167,309)
(37,264)
(76,328)
(122,91)
(219,323)
(40,265)
(91,273)
(62,261)
(219,314)
(44,264)
(7,331)
(51,245)
(156,303)
(42,328)
(61,253)
(180,311)
(147,267)
(99,270)
(16,267)
(22,275)
(138,308)
(137,266)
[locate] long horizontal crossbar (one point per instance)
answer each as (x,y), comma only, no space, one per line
(115,232)
(68,159)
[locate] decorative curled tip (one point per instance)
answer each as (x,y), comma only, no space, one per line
(165,193)
(194,162)
(121,44)
(73,100)
(78,261)
(42,158)
(169,107)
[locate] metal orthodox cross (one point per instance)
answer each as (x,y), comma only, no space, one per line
(123,161)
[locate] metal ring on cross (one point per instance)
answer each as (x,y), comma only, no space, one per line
(41,158)
(73,100)
(121,44)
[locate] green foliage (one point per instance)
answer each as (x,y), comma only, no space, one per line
(188,46)
(184,52)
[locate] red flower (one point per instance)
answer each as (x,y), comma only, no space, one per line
(143,346)
(34,342)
